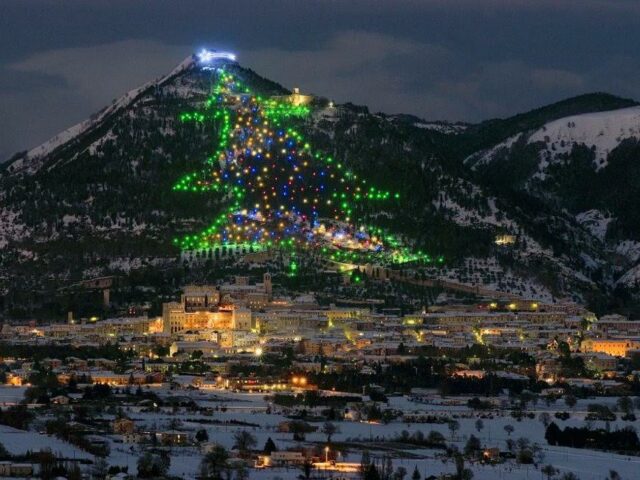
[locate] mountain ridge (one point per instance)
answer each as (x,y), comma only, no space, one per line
(113,215)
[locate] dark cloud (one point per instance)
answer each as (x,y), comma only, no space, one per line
(60,60)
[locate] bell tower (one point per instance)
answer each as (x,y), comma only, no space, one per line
(268,288)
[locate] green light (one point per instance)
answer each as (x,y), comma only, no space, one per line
(245,174)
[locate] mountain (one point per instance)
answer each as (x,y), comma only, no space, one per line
(586,165)
(98,200)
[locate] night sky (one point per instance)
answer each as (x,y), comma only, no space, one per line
(61,60)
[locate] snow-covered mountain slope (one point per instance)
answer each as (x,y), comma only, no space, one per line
(584,167)
(32,161)
(97,199)
(442,127)
(600,131)
(595,221)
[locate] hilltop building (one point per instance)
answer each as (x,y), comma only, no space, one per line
(227,307)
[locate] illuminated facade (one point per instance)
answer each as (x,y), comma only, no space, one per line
(616,347)
(176,319)
(505,239)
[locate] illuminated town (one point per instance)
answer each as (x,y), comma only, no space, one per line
(238,365)
(217,277)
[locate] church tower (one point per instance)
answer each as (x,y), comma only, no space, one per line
(266,279)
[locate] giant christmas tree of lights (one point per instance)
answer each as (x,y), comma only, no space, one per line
(276,190)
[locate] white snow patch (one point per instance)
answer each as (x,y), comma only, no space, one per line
(601,130)
(69,219)
(595,221)
(486,156)
(443,127)
(11,228)
(32,161)
(631,278)
(630,249)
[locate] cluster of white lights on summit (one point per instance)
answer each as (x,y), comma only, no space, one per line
(207,56)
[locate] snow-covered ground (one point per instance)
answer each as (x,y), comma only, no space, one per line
(487,273)
(33,159)
(602,131)
(19,442)
(10,395)
(443,127)
(595,221)
(251,409)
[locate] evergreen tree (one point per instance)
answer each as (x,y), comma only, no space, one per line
(552,434)
(202,435)
(473,446)
(269,447)
(214,463)
(371,473)
(416,474)
(549,471)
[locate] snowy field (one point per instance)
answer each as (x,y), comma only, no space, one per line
(19,442)
(10,395)
(251,409)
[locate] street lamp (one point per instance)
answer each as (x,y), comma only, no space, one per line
(326,454)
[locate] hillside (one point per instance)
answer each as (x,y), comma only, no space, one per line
(586,165)
(97,199)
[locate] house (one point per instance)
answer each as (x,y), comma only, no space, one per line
(123,425)
(76,363)
(601,361)
(466,373)
(208,447)
(172,437)
(60,400)
(619,347)
(186,381)
(14,380)
(119,476)
(52,362)
(10,469)
(136,437)
(280,459)
(491,454)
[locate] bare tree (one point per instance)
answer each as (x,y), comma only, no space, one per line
(329,429)
(545,418)
(454,426)
(244,441)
